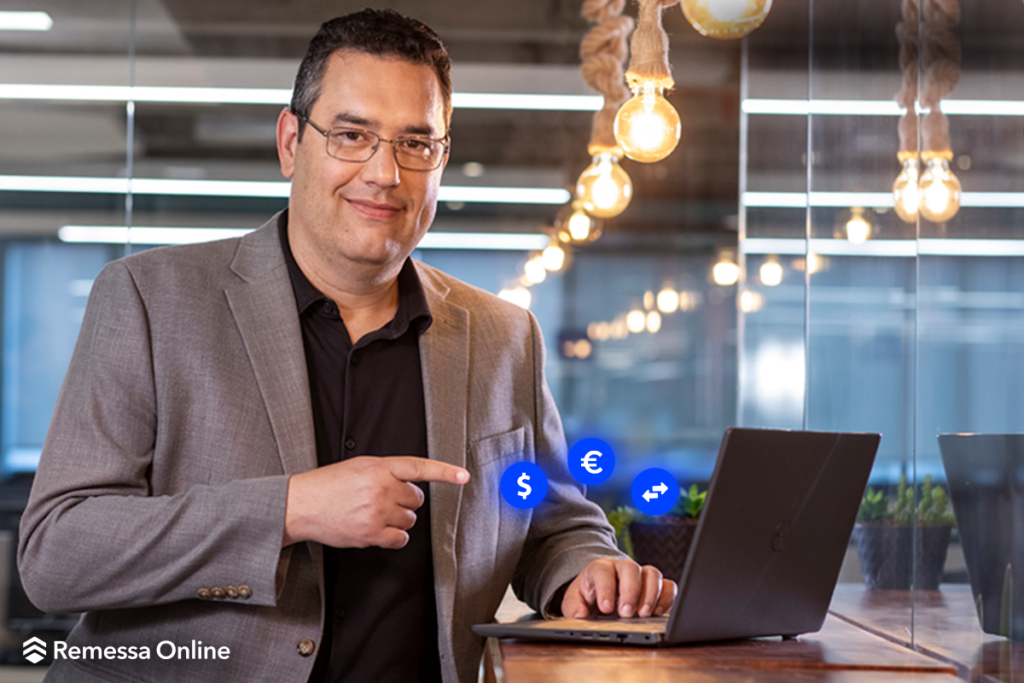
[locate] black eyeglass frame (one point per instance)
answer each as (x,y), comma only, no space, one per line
(394,149)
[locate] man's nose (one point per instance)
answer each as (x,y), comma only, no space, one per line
(381,169)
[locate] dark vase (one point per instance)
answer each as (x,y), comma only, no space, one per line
(663,544)
(886,555)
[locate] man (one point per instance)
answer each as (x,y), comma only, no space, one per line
(234,456)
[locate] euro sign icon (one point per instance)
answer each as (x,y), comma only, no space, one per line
(527,489)
(590,462)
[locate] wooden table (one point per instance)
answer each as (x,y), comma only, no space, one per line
(866,638)
(945,627)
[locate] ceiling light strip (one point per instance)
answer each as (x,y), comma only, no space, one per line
(113,234)
(883,248)
(250,188)
(877,107)
(798,200)
(25,21)
(272,96)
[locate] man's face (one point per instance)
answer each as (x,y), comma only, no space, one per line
(370,213)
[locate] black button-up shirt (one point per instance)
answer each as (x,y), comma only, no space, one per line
(381,618)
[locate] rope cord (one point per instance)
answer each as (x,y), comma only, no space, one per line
(649,60)
(603,51)
(929,48)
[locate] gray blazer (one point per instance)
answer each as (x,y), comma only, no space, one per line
(158,507)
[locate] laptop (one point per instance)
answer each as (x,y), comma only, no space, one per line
(985,475)
(767,550)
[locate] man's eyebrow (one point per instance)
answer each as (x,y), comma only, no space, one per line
(355,120)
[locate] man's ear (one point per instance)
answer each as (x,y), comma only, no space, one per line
(287,141)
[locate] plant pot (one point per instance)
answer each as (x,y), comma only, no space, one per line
(887,559)
(663,544)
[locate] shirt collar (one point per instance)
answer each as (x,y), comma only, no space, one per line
(412,301)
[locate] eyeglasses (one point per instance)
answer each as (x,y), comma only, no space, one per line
(412,152)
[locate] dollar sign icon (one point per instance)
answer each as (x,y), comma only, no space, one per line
(523,478)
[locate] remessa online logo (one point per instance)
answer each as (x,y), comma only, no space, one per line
(35,651)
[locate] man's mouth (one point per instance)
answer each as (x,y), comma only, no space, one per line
(372,209)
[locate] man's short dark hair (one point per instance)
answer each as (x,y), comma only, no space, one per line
(384,33)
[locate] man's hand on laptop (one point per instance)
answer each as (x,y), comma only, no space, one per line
(623,586)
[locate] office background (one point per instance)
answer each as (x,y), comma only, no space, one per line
(115,117)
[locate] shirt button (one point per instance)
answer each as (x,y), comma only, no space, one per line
(306,647)
(329,308)
(244,592)
(350,444)
(203,593)
(354,361)
(339,613)
(218,593)
(232,592)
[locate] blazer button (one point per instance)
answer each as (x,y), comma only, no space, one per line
(244,592)
(232,592)
(306,647)
(217,593)
(203,593)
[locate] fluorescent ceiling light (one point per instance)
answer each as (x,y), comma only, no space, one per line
(894,248)
(114,234)
(798,200)
(877,107)
(273,96)
(25,21)
(251,188)
(467,100)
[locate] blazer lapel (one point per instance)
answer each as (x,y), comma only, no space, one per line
(263,306)
(444,358)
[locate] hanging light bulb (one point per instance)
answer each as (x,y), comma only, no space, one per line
(771,273)
(520,296)
(726,19)
(653,322)
(939,189)
(905,189)
(647,127)
(553,257)
(858,230)
(636,321)
(725,272)
(604,187)
(668,300)
(534,271)
(576,225)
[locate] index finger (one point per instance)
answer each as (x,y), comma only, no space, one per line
(410,468)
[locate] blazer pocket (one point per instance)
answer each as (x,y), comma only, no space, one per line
(482,514)
(509,446)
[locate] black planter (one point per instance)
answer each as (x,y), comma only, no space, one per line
(664,545)
(886,555)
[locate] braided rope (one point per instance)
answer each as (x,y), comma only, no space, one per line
(603,52)
(649,61)
(925,35)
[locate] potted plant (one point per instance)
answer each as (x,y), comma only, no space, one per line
(662,541)
(887,542)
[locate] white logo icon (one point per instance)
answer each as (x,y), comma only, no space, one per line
(35,650)
(654,491)
(523,478)
(590,462)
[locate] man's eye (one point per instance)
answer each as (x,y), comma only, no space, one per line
(350,136)
(413,145)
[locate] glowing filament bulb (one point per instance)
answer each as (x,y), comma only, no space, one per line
(725,273)
(940,191)
(534,271)
(905,189)
(647,127)
(858,230)
(726,19)
(771,273)
(553,257)
(580,224)
(604,188)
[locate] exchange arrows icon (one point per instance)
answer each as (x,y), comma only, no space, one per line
(654,491)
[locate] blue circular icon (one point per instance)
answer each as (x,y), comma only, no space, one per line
(524,485)
(591,461)
(655,491)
